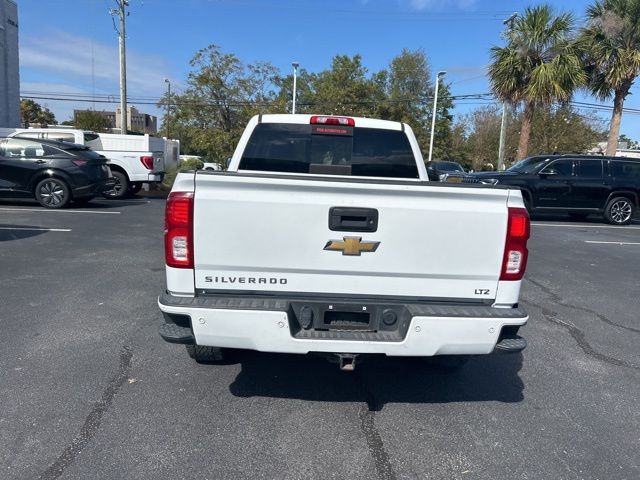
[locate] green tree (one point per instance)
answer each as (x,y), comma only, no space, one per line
(540,65)
(483,126)
(562,129)
(401,92)
(221,95)
(344,89)
(554,129)
(408,91)
(91,120)
(32,112)
(407,88)
(612,55)
(459,145)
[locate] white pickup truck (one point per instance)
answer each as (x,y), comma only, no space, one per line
(133,159)
(325,235)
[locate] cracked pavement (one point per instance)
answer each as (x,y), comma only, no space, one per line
(89,390)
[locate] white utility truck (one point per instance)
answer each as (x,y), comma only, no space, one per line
(133,159)
(325,235)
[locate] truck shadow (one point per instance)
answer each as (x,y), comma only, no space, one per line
(378,380)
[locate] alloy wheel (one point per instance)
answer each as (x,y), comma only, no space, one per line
(52,193)
(621,211)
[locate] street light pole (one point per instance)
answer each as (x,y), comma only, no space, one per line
(295,66)
(433,117)
(122,4)
(168,82)
(503,135)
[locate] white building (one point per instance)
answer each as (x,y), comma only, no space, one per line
(9,72)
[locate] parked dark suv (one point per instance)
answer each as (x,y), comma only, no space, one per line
(53,172)
(576,184)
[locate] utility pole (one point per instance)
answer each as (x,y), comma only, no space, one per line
(505,106)
(295,66)
(121,12)
(435,108)
(168,82)
(503,136)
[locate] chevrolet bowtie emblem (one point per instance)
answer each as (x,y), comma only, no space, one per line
(351,246)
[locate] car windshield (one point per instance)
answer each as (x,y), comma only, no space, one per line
(527,165)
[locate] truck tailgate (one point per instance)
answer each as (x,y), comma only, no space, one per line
(268,233)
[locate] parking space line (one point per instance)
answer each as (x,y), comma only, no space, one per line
(612,243)
(619,227)
(51,210)
(36,229)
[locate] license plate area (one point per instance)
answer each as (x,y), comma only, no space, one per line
(320,319)
(347,320)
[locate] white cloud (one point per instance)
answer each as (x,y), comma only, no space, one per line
(69,57)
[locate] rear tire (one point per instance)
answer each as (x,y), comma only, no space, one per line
(619,211)
(121,187)
(204,354)
(52,193)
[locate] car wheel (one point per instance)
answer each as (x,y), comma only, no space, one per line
(120,188)
(619,211)
(204,354)
(82,200)
(135,187)
(52,193)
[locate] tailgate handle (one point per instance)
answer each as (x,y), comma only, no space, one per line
(350,219)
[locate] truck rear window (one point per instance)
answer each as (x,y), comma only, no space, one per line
(295,148)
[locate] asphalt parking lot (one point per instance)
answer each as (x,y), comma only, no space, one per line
(89,390)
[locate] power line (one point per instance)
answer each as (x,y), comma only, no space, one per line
(236,103)
(463,99)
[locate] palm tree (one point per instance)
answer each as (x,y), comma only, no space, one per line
(612,55)
(539,65)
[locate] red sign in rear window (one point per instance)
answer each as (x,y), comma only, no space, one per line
(331,130)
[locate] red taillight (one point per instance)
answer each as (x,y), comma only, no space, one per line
(514,261)
(321,120)
(80,163)
(147,162)
(178,230)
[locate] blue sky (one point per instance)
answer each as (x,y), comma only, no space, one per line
(59,39)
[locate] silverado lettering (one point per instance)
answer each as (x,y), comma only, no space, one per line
(258,280)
